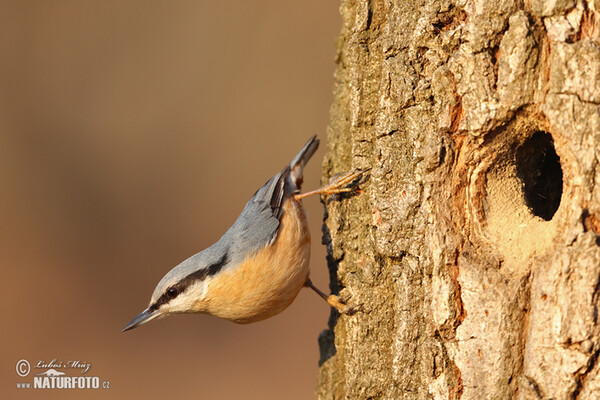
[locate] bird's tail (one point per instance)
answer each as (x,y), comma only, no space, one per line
(301,159)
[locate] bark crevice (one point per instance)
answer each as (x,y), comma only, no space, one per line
(474,245)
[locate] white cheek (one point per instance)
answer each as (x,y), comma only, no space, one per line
(186,300)
(197,291)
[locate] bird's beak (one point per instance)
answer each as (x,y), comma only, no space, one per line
(145,316)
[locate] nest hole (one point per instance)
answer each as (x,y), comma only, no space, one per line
(523,192)
(538,167)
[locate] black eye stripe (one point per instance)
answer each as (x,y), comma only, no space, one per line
(201,274)
(182,285)
(213,269)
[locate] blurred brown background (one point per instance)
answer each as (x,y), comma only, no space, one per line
(131,135)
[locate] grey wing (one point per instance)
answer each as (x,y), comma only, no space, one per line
(258,223)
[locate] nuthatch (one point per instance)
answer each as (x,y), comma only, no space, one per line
(259,265)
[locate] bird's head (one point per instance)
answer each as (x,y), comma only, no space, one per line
(182,289)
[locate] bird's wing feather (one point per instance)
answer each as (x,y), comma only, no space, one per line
(258,223)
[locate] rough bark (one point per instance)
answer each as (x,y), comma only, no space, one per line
(474,244)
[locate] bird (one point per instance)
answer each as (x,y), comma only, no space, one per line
(258,267)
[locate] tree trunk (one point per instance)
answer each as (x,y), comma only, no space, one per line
(473,246)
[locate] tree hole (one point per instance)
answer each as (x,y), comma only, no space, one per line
(538,167)
(523,193)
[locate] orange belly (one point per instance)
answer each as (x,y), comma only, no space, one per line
(267,282)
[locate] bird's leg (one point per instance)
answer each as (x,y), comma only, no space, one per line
(337,186)
(334,301)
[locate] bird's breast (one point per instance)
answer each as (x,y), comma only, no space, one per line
(266,282)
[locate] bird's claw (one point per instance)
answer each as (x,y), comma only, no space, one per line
(339,303)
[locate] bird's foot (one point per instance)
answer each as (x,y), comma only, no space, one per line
(343,183)
(340,304)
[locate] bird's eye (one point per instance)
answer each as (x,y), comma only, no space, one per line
(172,292)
